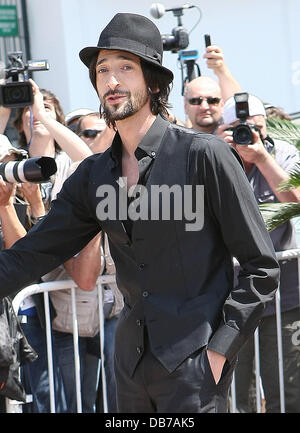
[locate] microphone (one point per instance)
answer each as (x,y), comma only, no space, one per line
(157,10)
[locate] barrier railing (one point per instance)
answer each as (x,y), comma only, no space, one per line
(45,288)
(13,406)
(281,255)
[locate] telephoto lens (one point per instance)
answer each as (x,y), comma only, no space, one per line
(36,170)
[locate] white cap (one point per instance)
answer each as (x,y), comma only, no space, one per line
(6,148)
(73,115)
(256,107)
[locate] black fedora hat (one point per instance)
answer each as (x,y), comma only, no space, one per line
(133,33)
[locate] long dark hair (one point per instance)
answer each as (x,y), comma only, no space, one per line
(154,78)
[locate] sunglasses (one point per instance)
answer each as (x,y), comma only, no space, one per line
(198,101)
(89,133)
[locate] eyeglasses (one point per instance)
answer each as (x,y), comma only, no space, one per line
(210,100)
(89,133)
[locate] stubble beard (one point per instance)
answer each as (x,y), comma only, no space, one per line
(208,124)
(125,109)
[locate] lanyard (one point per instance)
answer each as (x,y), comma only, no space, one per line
(31,130)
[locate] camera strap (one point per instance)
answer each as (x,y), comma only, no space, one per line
(31,129)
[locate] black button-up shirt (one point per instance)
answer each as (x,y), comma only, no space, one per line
(145,153)
(184,291)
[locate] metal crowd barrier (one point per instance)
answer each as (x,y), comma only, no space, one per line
(282,255)
(13,406)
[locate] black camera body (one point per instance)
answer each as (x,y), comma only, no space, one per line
(18,91)
(242,133)
(178,40)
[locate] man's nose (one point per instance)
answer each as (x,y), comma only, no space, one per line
(204,104)
(113,82)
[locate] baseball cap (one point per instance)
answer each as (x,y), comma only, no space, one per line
(6,148)
(75,114)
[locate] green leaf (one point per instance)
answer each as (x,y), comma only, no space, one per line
(283,129)
(275,214)
(293,181)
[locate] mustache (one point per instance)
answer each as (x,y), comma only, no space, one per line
(116,92)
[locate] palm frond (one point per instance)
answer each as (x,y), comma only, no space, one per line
(275,214)
(293,181)
(283,129)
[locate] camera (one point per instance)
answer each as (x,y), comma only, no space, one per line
(36,170)
(178,40)
(17,92)
(242,133)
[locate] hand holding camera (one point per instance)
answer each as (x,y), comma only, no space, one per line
(215,58)
(7,192)
(253,153)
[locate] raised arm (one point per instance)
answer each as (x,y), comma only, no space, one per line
(67,139)
(215,61)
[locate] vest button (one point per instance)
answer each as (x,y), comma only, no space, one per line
(141,266)
(139,350)
(138,322)
(145,294)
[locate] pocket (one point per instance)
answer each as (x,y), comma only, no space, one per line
(226,373)
(207,368)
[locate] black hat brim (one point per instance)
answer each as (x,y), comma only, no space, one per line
(87,54)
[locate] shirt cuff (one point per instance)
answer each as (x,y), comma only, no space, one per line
(227,341)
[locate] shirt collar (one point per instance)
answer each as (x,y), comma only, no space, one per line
(149,144)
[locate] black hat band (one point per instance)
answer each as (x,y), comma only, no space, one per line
(129,45)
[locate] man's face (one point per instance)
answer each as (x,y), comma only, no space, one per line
(205,116)
(120,84)
(91,124)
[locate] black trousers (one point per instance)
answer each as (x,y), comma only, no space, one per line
(189,389)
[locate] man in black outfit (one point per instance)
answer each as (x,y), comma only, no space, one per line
(183,322)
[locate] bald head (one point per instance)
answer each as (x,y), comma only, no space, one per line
(207,115)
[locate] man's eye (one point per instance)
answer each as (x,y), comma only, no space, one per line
(127,67)
(101,70)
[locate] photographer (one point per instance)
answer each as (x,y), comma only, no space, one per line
(42,132)
(13,220)
(267,162)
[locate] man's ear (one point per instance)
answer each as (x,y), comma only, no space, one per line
(185,106)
